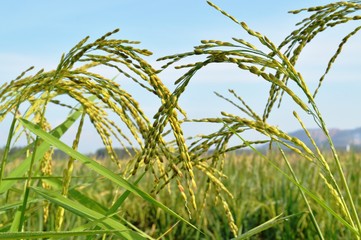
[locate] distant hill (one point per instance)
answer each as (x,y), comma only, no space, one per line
(343,139)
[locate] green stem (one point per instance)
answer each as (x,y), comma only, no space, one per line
(30,173)
(27,187)
(341,172)
(67,176)
(343,179)
(314,221)
(7,147)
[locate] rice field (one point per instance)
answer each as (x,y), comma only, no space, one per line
(173,186)
(259,192)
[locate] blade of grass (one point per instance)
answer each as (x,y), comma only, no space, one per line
(39,151)
(74,194)
(264,226)
(14,205)
(50,234)
(90,203)
(21,169)
(81,210)
(99,168)
(20,213)
(7,147)
(168,231)
(313,218)
(122,198)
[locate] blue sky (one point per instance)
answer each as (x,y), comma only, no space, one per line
(38,32)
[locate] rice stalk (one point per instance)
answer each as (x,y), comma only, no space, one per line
(277,68)
(67,175)
(311,212)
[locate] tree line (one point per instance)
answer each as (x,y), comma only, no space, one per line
(101,153)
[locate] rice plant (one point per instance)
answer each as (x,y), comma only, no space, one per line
(277,67)
(95,98)
(117,116)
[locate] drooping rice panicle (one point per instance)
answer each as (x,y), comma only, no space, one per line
(67,176)
(334,57)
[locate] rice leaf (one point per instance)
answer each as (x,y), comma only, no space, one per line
(81,210)
(20,170)
(56,184)
(14,205)
(50,234)
(99,168)
(264,226)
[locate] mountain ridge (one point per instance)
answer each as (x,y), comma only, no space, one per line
(344,139)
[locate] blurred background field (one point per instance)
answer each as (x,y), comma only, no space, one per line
(260,193)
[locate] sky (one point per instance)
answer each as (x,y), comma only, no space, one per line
(36,33)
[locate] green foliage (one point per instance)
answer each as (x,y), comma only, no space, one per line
(259,192)
(57,203)
(122,153)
